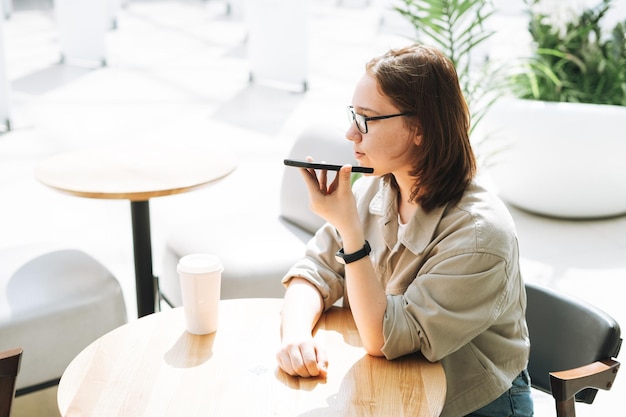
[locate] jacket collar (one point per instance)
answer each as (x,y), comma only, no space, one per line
(420,229)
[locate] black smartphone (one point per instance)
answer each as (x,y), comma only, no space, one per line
(327,167)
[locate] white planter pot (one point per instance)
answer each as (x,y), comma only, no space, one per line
(4,83)
(559,159)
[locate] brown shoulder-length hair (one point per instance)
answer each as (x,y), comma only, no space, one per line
(422,81)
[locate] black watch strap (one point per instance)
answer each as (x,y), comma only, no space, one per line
(353,257)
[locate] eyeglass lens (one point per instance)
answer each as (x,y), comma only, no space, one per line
(361,124)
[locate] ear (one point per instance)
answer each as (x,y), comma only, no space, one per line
(418,135)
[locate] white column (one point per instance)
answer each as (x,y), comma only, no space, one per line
(82,26)
(114,9)
(5,123)
(8,8)
(235,9)
(277,41)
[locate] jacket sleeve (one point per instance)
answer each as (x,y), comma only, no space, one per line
(448,305)
(320,267)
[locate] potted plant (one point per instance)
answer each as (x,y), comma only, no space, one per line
(564,130)
(578,61)
(459,29)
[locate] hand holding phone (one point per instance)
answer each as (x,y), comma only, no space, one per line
(327,167)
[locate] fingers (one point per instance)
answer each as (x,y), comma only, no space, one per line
(308,360)
(315,183)
(322,362)
(319,181)
(304,361)
(310,178)
(345,174)
(323,181)
(342,179)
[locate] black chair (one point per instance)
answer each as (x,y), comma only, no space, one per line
(9,368)
(573,346)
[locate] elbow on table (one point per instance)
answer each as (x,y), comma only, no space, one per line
(373,350)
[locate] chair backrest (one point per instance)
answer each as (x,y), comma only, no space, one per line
(9,368)
(566,333)
(323,144)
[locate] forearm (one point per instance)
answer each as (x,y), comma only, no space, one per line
(302,308)
(367,296)
(336,203)
(300,354)
(368,303)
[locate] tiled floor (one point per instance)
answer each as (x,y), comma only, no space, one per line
(177,72)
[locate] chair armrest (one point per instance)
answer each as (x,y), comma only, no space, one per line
(600,375)
(10,362)
(9,368)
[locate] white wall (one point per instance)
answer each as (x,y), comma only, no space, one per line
(4,84)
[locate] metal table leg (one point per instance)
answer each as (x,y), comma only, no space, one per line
(145,281)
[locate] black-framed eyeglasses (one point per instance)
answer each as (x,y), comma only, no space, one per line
(361,121)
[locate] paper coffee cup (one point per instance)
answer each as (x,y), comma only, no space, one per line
(200,282)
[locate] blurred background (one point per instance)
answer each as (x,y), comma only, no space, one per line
(244,75)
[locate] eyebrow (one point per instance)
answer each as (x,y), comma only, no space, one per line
(365,109)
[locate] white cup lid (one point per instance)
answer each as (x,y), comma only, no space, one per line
(199,263)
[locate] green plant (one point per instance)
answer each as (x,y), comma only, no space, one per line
(574,61)
(457,28)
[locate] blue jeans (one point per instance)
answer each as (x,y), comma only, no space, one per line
(516,402)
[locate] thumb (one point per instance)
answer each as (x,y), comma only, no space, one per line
(322,362)
(342,180)
(345,174)
(323,369)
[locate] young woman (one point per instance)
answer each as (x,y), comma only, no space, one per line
(428,259)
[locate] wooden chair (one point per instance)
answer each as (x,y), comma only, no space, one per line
(9,368)
(573,348)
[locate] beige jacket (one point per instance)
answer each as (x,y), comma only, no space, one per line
(454,289)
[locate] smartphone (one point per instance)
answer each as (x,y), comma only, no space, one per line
(327,167)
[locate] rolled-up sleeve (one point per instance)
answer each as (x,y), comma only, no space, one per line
(401,331)
(320,267)
(435,315)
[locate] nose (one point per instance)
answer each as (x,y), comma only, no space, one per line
(353,134)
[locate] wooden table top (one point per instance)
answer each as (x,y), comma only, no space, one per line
(153,367)
(133,172)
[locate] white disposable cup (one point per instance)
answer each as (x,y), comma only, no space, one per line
(200,282)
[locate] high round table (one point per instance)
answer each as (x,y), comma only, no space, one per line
(153,367)
(136,172)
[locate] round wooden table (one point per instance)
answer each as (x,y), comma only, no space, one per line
(153,367)
(136,173)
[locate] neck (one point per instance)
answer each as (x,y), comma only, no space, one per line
(405,185)
(406,208)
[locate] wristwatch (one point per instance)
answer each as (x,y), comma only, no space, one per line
(353,257)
